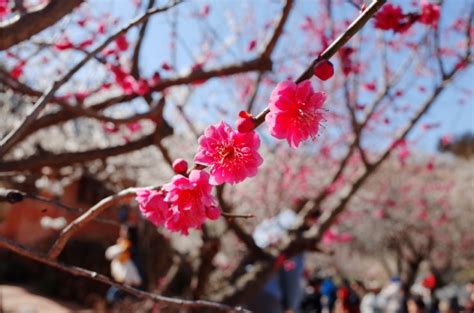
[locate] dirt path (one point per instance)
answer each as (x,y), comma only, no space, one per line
(17,299)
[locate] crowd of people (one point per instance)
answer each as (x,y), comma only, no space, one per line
(285,293)
(325,295)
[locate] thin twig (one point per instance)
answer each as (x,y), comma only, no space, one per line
(236,215)
(135,70)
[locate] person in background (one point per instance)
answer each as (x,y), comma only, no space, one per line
(284,291)
(329,294)
(122,267)
(311,302)
(469,303)
(347,299)
(391,296)
(431,301)
(449,305)
(370,302)
(405,295)
(415,304)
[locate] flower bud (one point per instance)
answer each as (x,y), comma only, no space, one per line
(213,213)
(323,70)
(245,123)
(180,166)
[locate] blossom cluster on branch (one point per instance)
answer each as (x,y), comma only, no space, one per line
(391,17)
(294,113)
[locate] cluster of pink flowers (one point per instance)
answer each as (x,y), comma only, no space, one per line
(391,17)
(232,155)
(429,14)
(129,84)
(184,203)
(4,8)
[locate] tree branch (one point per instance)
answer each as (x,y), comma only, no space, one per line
(22,27)
(88,216)
(271,44)
(64,159)
(328,217)
(135,70)
(51,119)
(235,227)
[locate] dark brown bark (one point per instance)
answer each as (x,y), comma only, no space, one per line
(35,21)
(59,160)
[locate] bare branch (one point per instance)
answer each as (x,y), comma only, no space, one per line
(235,227)
(271,44)
(256,87)
(22,27)
(51,119)
(135,70)
(93,212)
(64,159)
(237,215)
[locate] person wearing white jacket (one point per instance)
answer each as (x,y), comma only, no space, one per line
(122,267)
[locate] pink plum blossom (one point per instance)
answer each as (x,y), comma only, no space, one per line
(153,206)
(190,201)
(122,43)
(389,17)
(232,156)
(295,112)
(4,8)
(429,14)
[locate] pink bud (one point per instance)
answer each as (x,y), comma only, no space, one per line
(252,45)
(430,166)
(245,123)
(165,66)
(102,28)
(134,127)
(180,166)
(18,70)
(323,70)
(86,43)
(110,128)
(122,43)
(213,213)
(141,88)
(64,44)
(155,79)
